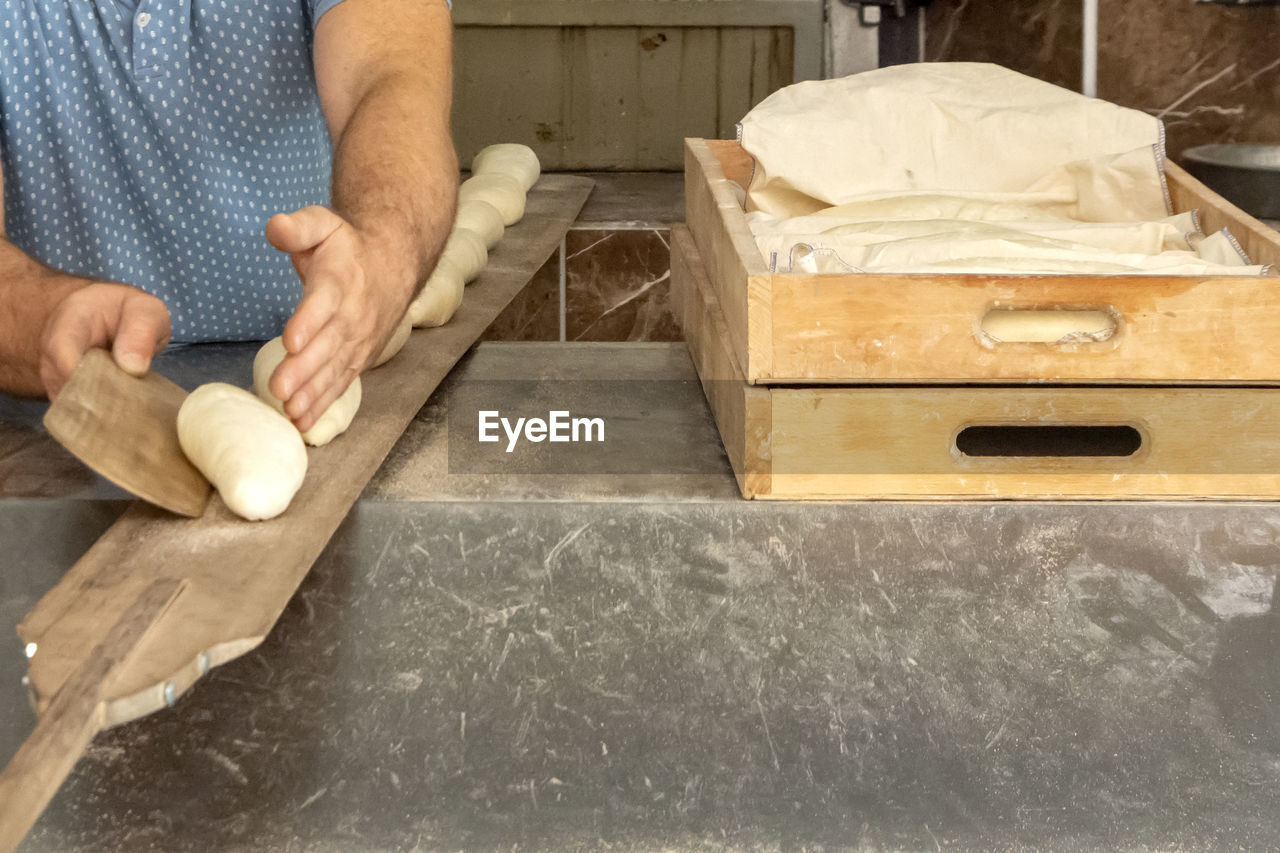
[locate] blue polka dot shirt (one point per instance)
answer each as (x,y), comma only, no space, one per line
(148,142)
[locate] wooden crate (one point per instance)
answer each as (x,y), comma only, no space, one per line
(870,328)
(904,441)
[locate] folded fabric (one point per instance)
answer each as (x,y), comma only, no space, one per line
(1160,247)
(966,167)
(953,126)
(1170,234)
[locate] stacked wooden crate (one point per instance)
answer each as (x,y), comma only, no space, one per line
(886,386)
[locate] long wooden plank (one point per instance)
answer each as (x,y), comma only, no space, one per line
(742,411)
(240,574)
(1261,242)
(735,268)
(859,443)
(74,716)
(926,329)
(735,164)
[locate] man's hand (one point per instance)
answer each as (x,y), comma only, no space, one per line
(383,73)
(351,303)
(50,318)
(133,324)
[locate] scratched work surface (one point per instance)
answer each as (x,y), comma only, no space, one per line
(697,672)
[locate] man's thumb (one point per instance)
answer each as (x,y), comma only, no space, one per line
(143,331)
(303,229)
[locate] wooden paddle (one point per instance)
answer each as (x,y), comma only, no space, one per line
(74,716)
(125,427)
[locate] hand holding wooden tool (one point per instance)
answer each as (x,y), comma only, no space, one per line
(125,427)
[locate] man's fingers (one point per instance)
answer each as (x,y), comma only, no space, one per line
(75,339)
(303,229)
(297,369)
(142,331)
(324,388)
(71,333)
(320,304)
(308,402)
(133,324)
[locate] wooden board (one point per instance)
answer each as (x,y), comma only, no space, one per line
(126,428)
(239,575)
(870,328)
(74,716)
(902,442)
(1260,242)
(743,284)
(742,411)
(611,97)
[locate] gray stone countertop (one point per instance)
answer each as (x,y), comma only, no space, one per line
(630,657)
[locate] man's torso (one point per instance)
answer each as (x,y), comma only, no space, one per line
(148,142)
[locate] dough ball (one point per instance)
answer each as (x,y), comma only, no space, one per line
(467,251)
(440,297)
(502,191)
(336,418)
(482,218)
(395,343)
(252,454)
(509,158)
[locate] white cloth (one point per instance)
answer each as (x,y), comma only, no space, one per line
(965,167)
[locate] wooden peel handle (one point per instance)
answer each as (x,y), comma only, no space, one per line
(73,717)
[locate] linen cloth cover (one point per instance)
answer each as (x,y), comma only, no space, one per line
(965,167)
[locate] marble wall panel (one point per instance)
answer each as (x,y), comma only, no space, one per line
(617,268)
(1211,72)
(618,285)
(1037,37)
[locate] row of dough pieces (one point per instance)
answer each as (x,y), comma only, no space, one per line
(243,443)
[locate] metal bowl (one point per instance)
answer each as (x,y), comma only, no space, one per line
(1246,175)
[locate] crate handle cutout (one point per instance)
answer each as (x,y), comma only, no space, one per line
(1048,441)
(1053,326)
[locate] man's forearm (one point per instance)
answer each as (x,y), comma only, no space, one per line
(29,292)
(383,74)
(395,174)
(384,71)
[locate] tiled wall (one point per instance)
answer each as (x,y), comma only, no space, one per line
(610,280)
(1211,72)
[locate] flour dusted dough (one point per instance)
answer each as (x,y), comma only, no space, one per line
(482,218)
(467,251)
(510,158)
(440,297)
(502,191)
(336,418)
(252,454)
(395,343)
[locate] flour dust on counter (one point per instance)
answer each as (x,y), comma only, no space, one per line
(731,676)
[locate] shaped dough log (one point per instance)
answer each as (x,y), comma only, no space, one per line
(336,418)
(395,343)
(509,158)
(252,454)
(482,218)
(502,191)
(440,297)
(467,251)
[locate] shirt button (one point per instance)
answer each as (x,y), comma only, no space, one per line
(144,18)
